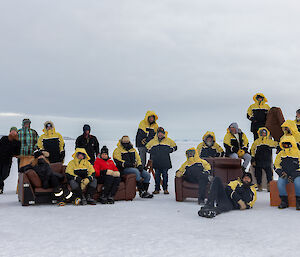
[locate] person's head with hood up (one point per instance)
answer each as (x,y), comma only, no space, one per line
(259,98)
(233,128)
(151,117)
(125,143)
(209,138)
(263,132)
(80,154)
(289,127)
(48,126)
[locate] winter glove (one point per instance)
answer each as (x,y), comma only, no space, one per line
(144,141)
(78,179)
(242,205)
(210,178)
(241,153)
(140,168)
(84,183)
(283,175)
(291,180)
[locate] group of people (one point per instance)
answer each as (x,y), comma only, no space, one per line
(91,166)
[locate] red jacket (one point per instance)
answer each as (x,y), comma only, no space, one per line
(101,164)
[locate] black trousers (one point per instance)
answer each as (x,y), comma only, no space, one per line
(110,184)
(217,195)
(4,172)
(199,178)
(258,174)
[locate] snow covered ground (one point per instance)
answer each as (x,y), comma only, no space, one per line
(143,227)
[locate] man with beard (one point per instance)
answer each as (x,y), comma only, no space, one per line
(209,148)
(9,146)
(239,194)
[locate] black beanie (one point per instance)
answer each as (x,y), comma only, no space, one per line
(104,149)
(247,174)
(86,127)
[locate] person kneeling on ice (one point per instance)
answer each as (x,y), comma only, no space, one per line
(236,144)
(160,148)
(196,171)
(128,161)
(209,148)
(81,177)
(239,194)
(287,166)
(107,174)
(261,152)
(48,177)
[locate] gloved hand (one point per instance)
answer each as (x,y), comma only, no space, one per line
(234,149)
(291,180)
(140,168)
(144,141)
(210,178)
(78,179)
(241,153)
(84,183)
(242,205)
(171,150)
(283,175)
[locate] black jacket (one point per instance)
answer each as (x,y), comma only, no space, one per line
(90,144)
(8,149)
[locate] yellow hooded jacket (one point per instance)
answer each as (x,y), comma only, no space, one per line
(122,156)
(294,130)
(232,145)
(146,131)
(261,149)
(52,142)
(206,151)
(288,160)
(80,168)
(193,161)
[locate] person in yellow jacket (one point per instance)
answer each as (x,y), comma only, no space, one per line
(239,194)
(257,113)
(289,128)
(236,145)
(261,152)
(287,166)
(128,161)
(52,142)
(209,148)
(160,148)
(197,171)
(145,133)
(80,174)
(297,120)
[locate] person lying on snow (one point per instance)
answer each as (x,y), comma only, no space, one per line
(52,142)
(239,194)
(297,120)
(261,152)
(128,161)
(257,113)
(48,177)
(108,175)
(9,147)
(81,178)
(160,148)
(287,166)
(145,133)
(289,128)
(197,171)
(236,145)
(209,148)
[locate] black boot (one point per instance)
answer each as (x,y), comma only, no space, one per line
(83,200)
(59,196)
(103,198)
(90,200)
(208,211)
(284,202)
(146,187)
(110,199)
(1,187)
(298,203)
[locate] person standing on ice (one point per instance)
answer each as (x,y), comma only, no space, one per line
(196,171)
(89,143)
(239,194)
(146,132)
(297,120)
(261,152)
(108,175)
(287,166)
(28,138)
(52,142)
(257,113)
(81,177)
(9,147)
(236,145)
(128,161)
(160,148)
(209,148)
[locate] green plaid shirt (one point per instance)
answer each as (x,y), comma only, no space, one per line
(28,139)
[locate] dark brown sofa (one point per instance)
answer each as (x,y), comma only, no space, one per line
(226,168)
(31,191)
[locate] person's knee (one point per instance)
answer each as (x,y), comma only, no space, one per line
(93,183)
(247,157)
(73,184)
(234,156)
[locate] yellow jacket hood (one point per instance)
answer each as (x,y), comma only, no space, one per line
(291,125)
(194,159)
(292,141)
(267,136)
(262,95)
(209,133)
(51,131)
(80,150)
(150,113)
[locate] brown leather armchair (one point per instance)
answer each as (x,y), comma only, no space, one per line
(226,168)
(31,191)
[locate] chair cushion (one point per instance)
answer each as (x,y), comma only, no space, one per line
(34,179)
(228,163)
(186,184)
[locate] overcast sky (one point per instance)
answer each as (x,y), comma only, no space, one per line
(196,63)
